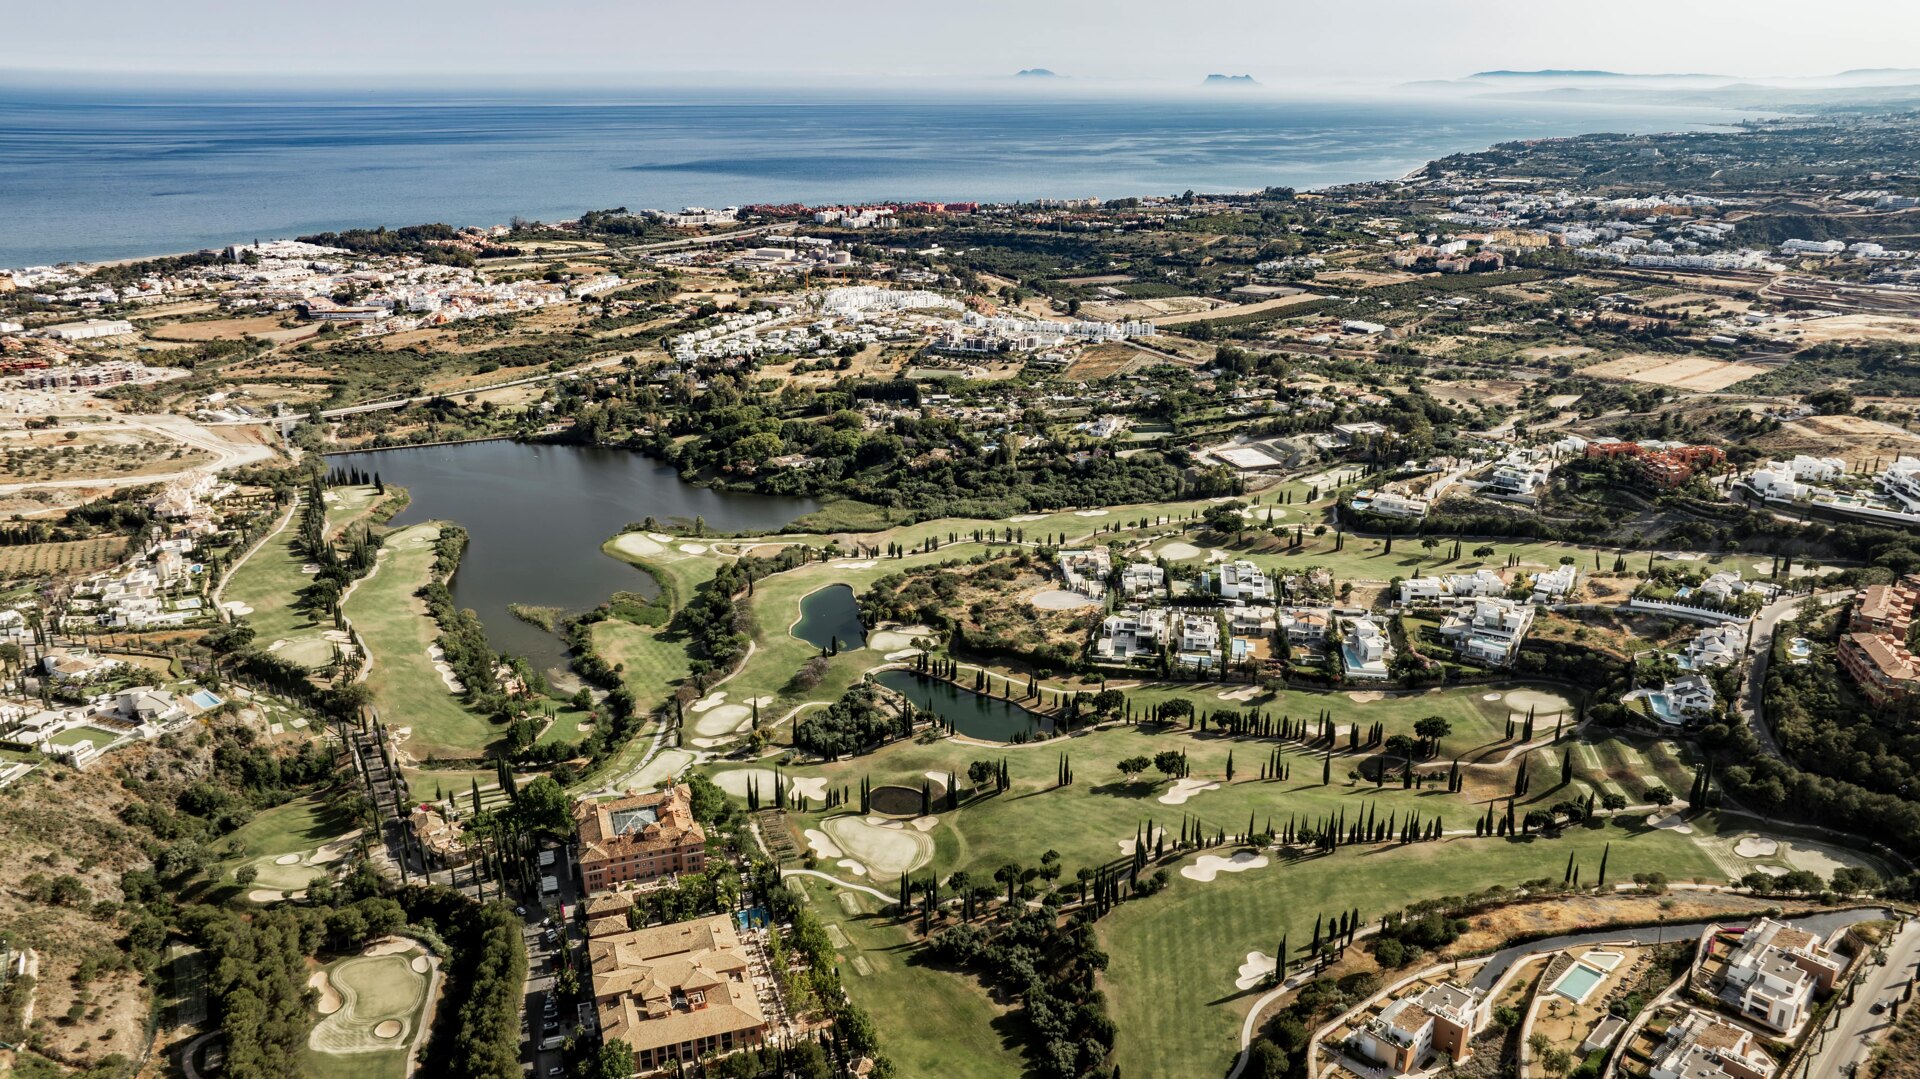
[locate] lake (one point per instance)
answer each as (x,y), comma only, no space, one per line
(830,617)
(973,715)
(90,175)
(536,516)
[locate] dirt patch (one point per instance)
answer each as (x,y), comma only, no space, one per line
(1057,599)
(1678,372)
(1550,917)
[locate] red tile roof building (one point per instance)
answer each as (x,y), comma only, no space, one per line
(638,839)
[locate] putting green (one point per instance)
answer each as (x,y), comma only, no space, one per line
(887,850)
(375,1000)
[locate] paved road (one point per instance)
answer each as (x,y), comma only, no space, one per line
(1851,1042)
(1761,646)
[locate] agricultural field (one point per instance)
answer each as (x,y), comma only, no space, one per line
(71,558)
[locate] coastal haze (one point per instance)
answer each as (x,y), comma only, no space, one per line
(93,176)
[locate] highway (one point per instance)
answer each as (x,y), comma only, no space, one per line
(1851,1040)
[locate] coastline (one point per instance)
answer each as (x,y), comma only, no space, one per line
(1310,144)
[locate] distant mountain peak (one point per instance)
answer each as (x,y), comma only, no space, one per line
(1229,80)
(1036,73)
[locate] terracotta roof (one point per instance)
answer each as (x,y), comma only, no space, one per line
(671,984)
(646,822)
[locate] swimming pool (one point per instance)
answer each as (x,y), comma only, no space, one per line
(1578,981)
(203,699)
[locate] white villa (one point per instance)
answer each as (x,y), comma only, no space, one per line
(1677,701)
(1490,631)
(1556,583)
(1715,647)
(1242,580)
(1365,648)
(1131,633)
(1453,586)
(1143,579)
(1085,571)
(1199,638)
(1772,976)
(1702,1045)
(1442,1019)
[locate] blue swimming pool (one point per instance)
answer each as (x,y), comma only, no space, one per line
(1578,981)
(753,918)
(203,699)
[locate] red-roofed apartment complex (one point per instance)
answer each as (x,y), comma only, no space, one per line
(1874,648)
(1665,468)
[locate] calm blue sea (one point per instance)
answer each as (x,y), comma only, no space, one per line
(92,176)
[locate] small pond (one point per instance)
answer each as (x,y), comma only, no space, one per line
(829,615)
(973,715)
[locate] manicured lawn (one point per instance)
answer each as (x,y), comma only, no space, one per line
(931,1021)
(298,825)
(269,580)
(652,660)
(1087,821)
(1174,957)
(267,583)
(398,631)
(426,784)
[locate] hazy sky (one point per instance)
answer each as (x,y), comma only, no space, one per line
(1280,42)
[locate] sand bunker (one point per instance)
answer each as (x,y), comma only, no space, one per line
(388,1029)
(1089,513)
(1363,696)
(1178,551)
(659,537)
(694,548)
(1059,599)
(1023,518)
(708,701)
(639,546)
(329,1001)
(1255,971)
(237,607)
(287,859)
(421,964)
(938,780)
(1184,789)
(1209,866)
(1151,838)
(1490,696)
(1755,847)
(1672,822)
(268,895)
(822,844)
(898,639)
(925,824)
(864,563)
(734,782)
(885,851)
(1244,693)
(852,867)
(725,719)
(657,772)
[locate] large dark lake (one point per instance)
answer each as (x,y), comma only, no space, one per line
(537,515)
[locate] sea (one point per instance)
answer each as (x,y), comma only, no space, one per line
(91,176)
